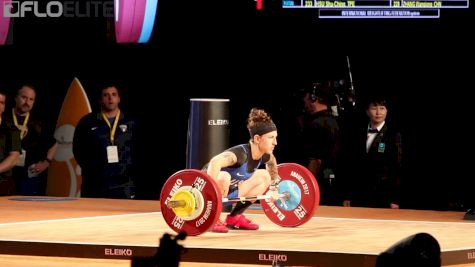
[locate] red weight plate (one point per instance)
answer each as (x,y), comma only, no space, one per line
(304,192)
(211,196)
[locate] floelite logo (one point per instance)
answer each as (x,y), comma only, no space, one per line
(55,9)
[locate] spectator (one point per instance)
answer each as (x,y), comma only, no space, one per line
(104,145)
(10,148)
(37,143)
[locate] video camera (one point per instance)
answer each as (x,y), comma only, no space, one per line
(337,94)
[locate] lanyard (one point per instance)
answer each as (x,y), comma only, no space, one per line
(114,127)
(23,127)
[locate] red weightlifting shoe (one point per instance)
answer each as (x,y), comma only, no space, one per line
(219,227)
(240,222)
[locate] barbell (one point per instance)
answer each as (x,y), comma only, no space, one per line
(191,201)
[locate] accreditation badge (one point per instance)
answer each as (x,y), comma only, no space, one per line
(112,154)
(381,147)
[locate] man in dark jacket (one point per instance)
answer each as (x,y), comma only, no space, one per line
(320,136)
(103,145)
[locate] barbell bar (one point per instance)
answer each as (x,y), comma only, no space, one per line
(183,203)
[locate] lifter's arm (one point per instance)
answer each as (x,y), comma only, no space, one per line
(271,167)
(219,161)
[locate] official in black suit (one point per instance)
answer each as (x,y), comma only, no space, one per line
(374,162)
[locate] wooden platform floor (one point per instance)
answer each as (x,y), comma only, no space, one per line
(81,230)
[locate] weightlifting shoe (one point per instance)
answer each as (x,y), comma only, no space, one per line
(240,222)
(219,227)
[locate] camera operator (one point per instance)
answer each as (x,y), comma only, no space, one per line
(320,136)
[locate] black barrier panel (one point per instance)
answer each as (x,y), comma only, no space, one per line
(208,131)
